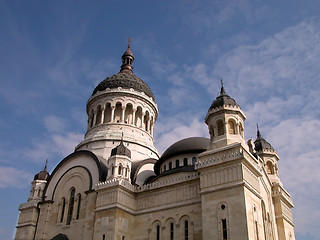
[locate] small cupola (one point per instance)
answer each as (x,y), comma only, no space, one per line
(121,149)
(269,156)
(43,175)
(119,163)
(127,60)
(225,121)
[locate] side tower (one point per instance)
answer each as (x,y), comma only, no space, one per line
(225,121)
(237,188)
(281,198)
(29,211)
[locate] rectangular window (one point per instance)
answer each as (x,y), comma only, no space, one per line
(224,229)
(186,230)
(158,232)
(171,231)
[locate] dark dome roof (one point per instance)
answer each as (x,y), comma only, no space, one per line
(261,145)
(125,80)
(121,149)
(187,145)
(223,99)
(43,175)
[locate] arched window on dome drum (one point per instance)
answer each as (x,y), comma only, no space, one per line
(118,113)
(146,121)
(231,127)
(177,163)
(79,205)
(91,119)
(71,205)
(99,114)
(220,128)
(164,168)
(170,165)
(128,114)
(185,162)
(107,113)
(63,206)
(138,117)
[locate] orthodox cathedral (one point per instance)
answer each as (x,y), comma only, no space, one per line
(116,186)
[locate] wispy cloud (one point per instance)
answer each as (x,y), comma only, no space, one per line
(14,178)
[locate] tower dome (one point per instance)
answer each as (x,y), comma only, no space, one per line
(121,104)
(225,121)
(261,145)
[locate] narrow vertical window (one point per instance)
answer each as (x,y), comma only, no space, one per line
(194,159)
(71,204)
(185,162)
(112,170)
(103,237)
(78,208)
(158,232)
(119,170)
(224,229)
(171,231)
(186,230)
(62,209)
(177,163)
(170,165)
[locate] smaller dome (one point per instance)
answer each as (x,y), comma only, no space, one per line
(188,145)
(223,99)
(261,145)
(43,175)
(121,149)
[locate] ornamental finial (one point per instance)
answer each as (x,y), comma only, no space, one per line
(129,42)
(258,131)
(222,91)
(45,167)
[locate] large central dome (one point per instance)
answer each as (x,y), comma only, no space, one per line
(125,78)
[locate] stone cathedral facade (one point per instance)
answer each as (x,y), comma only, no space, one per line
(116,186)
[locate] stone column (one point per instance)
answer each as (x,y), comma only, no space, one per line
(123,113)
(102,113)
(112,113)
(134,116)
(94,117)
(142,119)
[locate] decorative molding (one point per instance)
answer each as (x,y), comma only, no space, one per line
(210,158)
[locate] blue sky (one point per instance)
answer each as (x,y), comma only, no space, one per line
(53,54)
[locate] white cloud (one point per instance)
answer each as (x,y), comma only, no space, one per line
(295,140)
(58,142)
(14,178)
(172,132)
(54,124)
